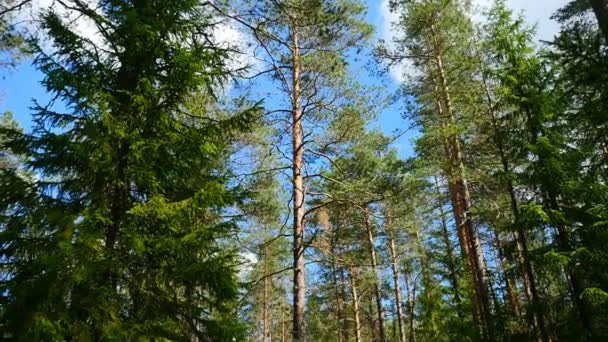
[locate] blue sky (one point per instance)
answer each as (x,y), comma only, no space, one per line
(20,86)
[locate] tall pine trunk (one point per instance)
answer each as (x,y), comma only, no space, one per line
(338,285)
(266,298)
(396,283)
(461,198)
(410,305)
(344,326)
(299,286)
(451,261)
(355,298)
(283,330)
(374,265)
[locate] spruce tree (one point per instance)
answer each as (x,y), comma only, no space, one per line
(120,237)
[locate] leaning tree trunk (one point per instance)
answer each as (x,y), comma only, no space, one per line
(374,265)
(299,286)
(600,7)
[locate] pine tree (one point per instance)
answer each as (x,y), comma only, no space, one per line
(265,300)
(304,45)
(437,36)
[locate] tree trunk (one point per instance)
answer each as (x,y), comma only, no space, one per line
(410,307)
(265,311)
(266,298)
(600,7)
(373,327)
(396,283)
(337,286)
(514,306)
(576,282)
(299,286)
(343,287)
(461,200)
(283,333)
(452,274)
(550,203)
(521,245)
(374,264)
(355,297)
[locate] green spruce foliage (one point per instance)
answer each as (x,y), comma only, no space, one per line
(120,236)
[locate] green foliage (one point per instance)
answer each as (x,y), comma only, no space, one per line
(13,44)
(120,238)
(118,212)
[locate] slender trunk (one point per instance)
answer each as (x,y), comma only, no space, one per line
(451,263)
(521,245)
(396,283)
(355,297)
(550,202)
(495,299)
(343,288)
(514,306)
(265,311)
(337,293)
(410,307)
(298,196)
(424,267)
(283,333)
(395,328)
(576,283)
(600,7)
(271,322)
(461,201)
(374,264)
(373,327)
(463,237)
(266,328)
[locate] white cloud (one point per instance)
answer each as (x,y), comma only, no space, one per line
(229,36)
(248,262)
(29,18)
(535,11)
(398,71)
(226,34)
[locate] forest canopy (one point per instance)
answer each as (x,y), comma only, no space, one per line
(272,170)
